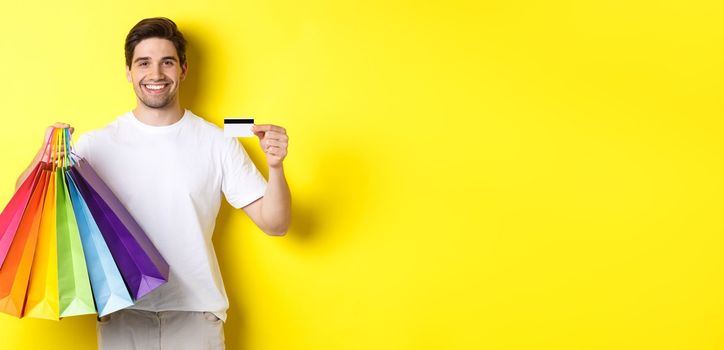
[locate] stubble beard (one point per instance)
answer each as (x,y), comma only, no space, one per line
(156,101)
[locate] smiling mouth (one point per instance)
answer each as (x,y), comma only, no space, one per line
(155,88)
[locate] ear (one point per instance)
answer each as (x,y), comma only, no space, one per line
(184,69)
(128,74)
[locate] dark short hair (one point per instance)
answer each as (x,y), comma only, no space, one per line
(156,27)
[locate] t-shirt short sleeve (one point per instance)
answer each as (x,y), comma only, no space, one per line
(241,183)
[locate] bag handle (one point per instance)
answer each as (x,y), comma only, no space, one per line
(70,149)
(47,154)
(66,144)
(59,141)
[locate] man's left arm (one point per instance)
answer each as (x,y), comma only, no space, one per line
(272,212)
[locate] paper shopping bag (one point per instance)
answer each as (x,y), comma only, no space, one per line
(42,300)
(109,290)
(141,265)
(74,288)
(13,212)
(15,272)
(10,216)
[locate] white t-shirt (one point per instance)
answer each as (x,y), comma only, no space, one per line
(170,178)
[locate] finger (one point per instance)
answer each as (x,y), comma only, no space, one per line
(280,154)
(268,127)
(276,151)
(276,143)
(272,151)
(273,135)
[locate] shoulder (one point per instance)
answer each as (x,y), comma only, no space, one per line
(85,143)
(209,133)
(205,128)
(110,129)
(209,136)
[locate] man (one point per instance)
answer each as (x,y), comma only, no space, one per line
(169,168)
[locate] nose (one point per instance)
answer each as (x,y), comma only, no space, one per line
(155,73)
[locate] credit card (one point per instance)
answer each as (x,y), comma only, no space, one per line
(238,127)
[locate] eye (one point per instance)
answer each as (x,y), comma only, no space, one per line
(143,64)
(168,63)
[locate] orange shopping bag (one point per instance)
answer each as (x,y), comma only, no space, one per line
(15,269)
(15,272)
(42,301)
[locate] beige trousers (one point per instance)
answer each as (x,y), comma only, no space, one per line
(166,330)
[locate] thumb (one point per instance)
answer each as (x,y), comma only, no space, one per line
(258,133)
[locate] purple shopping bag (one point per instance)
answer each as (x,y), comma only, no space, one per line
(141,265)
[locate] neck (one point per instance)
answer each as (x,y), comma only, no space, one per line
(158,116)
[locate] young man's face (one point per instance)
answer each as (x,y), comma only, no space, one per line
(156,72)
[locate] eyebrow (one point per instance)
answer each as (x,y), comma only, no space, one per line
(148,58)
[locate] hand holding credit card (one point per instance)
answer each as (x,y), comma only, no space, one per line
(238,127)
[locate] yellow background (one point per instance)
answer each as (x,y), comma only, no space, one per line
(465,175)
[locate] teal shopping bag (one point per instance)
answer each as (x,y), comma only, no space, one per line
(109,290)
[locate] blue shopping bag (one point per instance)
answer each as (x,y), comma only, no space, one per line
(109,290)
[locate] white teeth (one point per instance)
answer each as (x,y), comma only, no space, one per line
(155,87)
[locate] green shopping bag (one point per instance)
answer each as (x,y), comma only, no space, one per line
(74,289)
